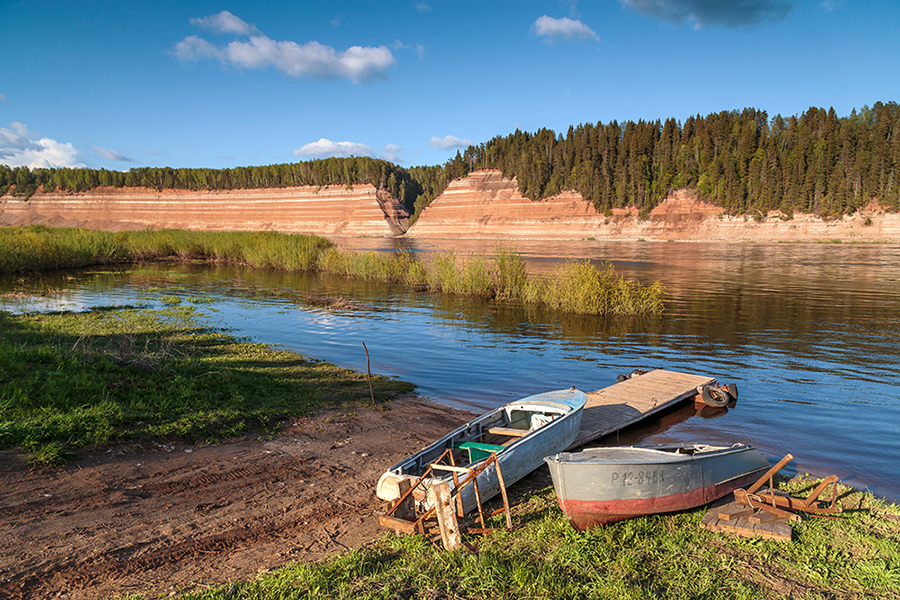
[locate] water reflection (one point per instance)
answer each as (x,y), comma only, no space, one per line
(809,332)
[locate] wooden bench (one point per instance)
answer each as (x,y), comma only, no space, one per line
(508,431)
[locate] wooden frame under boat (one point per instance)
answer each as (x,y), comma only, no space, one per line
(520,433)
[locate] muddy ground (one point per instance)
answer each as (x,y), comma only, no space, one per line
(163,518)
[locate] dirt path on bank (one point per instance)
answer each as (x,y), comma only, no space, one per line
(169,519)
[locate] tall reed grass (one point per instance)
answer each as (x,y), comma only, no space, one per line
(575,287)
(581,287)
(39,248)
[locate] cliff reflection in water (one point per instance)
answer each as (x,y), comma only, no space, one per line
(808,332)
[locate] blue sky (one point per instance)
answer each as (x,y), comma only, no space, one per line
(221,84)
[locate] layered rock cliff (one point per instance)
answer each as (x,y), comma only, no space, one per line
(330,211)
(486,205)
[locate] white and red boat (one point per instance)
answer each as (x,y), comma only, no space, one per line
(603,485)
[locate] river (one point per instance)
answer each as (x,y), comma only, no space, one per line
(810,333)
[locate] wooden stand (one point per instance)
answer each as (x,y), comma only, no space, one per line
(401,515)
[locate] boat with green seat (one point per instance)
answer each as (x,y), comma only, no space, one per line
(520,433)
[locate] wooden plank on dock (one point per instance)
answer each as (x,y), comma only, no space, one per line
(615,407)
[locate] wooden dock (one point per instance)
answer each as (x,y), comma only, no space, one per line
(615,407)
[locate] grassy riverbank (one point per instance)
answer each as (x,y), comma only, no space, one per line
(663,556)
(76,380)
(39,248)
(576,286)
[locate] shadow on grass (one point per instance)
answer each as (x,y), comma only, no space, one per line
(76,380)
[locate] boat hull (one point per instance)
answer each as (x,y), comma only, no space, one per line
(602,486)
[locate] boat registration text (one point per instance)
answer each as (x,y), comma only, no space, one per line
(629,478)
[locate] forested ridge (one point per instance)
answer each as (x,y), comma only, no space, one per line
(815,163)
(329,171)
(744,161)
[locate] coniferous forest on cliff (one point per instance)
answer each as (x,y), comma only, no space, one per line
(744,161)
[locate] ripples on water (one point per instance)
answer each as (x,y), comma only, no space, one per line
(808,332)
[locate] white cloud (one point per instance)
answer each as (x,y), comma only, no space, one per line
(111,154)
(449,142)
(311,60)
(705,13)
(225,22)
(391,153)
(21,147)
(2,98)
(573,7)
(562,29)
(419,48)
(423,7)
(194,48)
(325,148)
(830,5)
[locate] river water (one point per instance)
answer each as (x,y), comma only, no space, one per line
(809,332)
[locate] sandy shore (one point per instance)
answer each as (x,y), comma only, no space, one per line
(171,518)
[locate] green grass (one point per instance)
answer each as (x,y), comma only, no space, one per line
(76,380)
(580,287)
(661,556)
(577,286)
(39,248)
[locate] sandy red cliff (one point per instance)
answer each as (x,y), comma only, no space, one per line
(484,205)
(332,210)
(487,205)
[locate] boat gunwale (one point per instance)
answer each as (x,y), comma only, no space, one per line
(553,406)
(650,454)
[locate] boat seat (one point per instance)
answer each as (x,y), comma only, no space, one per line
(479,451)
(508,431)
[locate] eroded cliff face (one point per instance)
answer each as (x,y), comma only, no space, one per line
(329,211)
(486,205)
